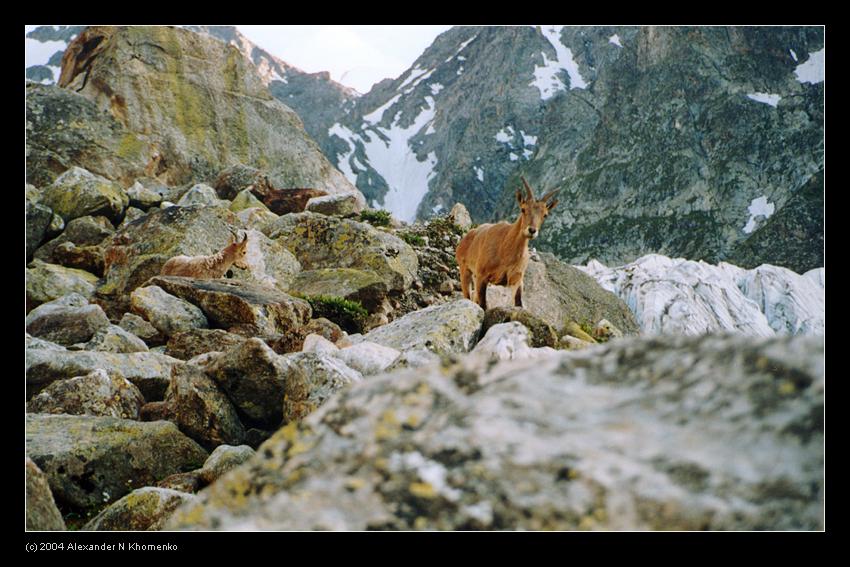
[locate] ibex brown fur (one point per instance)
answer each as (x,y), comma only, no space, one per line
(209,267)
(498,253)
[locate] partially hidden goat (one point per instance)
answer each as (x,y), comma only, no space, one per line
(498,253)
(210,267)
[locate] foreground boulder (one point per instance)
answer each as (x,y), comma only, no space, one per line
(669,433)
(42,513)
(91,460)
(143,509)
(509,341)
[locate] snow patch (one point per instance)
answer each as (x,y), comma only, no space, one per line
(513,156)
(528,139)
(435,88)
(758,208)
(793,55)
(811,70)
(506,135)
(342,159)
(546,77)
(479,173)
(681,296)
(460,71)
(615,39)
(378,114)
(771,99)
(415,73)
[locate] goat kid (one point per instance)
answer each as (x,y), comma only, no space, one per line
(498,253)
(210,267)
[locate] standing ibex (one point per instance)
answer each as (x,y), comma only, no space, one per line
(210,267)
(498,253)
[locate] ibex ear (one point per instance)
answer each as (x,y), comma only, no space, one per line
(551,205)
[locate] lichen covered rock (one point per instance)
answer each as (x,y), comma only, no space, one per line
(96,393)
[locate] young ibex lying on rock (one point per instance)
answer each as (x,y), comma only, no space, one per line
(498,253)
(210,267)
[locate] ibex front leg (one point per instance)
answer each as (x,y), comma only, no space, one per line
(481,290)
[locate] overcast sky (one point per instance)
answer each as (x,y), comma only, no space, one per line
(356,56)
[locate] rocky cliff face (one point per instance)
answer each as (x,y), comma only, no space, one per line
(678,141)
(198,101)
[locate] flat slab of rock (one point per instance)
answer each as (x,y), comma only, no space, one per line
(354,285)
(149,371)
(441,329)
(228,303)
(168,314)
(90,461)
(144,509)
(189,344)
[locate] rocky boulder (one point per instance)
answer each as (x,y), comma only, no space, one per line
(46,282)
(269,262)
(91,460)
(67,320)
(231,304)
(148,371)
(509,341)
(558,293)
(320,377)
(78,192)
(168,314)
(38,219)
(255,379)
(542,333)
(113,339)
(82,232)
(345,205)
(673,433)
(319,241)
(444,329)
(143,509)
(97,393)
(223,459)
(66,129)
(42,513)
(200,409)
(188,344)
(367,288)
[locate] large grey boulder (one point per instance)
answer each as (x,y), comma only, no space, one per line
(320,376)
(200,409)
(90,461)
(115,339)
(672,433)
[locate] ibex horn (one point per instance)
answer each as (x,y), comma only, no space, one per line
(528,189)
(550,194)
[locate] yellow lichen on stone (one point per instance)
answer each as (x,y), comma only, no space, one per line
(422,490)
(786,388)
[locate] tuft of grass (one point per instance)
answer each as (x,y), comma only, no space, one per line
(412,239)
(350,315)
(376,218)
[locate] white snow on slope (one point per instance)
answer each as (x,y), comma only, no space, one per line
(793,55)
(615,39)
(812,69)
(388,152)
(685,297)
(546,77)
(505,135)
(415,73)
(758,208)
(378,114)
(771,99)
(479,173)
